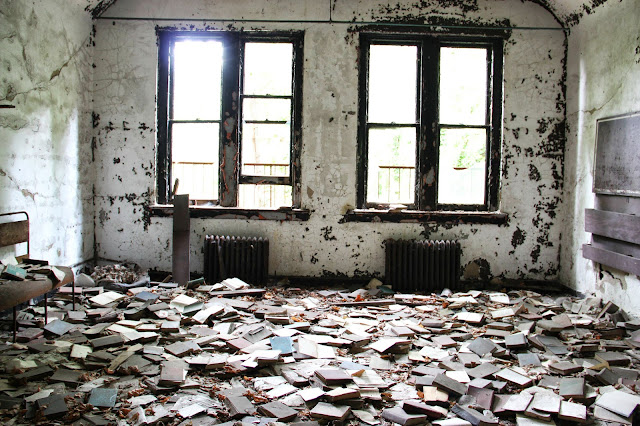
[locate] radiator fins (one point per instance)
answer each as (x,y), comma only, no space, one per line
(246,258)
(422,266)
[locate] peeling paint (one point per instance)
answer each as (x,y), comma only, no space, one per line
(535,253)
(95,118)
(98,7)
(46,168)
(327,233)
(603,81)
(477,270)
(518,237)
(327,241)
(574,18)
(534,173)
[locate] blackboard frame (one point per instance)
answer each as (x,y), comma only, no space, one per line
(621,178)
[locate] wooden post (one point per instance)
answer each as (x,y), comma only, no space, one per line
(181,229)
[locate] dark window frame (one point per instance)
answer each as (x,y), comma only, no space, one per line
(427,117)
(229,175)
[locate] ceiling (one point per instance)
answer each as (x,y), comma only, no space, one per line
(96,7)
(567,12)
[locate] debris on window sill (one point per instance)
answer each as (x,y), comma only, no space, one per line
(281,214)
(397,214)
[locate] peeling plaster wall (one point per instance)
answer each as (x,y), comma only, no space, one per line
(125,88)
(603,81)
(46,162)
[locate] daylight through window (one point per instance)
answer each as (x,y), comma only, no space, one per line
(430,122)
(229,118)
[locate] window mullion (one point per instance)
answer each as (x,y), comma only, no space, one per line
(464,126)
(163,164)
(495,138)
(428,148)
(295,169)
(362,162)
(229,147)
(243,96)
(390,125)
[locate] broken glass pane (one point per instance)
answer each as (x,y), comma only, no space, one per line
(197,78)
(463,85)
(392,84)
(462,168)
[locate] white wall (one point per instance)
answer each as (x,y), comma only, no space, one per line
(603,81)
(124,99)
(45,142)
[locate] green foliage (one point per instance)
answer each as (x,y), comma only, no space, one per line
(467,156)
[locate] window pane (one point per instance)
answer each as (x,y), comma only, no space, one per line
(463,85)
(268,68)
(391,169)
(266,109)
(197,77)
(392,84)
(462,168)
(264,196)
(195,159)
(265,145)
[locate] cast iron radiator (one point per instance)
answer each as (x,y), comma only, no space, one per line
(426,265)
(246,258)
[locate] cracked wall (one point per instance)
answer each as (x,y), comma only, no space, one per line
(46,163)
(603,81)
(528,247)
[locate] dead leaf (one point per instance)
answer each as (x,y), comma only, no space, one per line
(358,373)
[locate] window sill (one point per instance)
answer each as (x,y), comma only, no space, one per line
(417,216)
(282,214)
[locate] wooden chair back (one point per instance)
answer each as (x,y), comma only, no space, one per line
(15,231)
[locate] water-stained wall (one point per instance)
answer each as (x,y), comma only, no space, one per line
(46,164)
(125,56)
(603,81)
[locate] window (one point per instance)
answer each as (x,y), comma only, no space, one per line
(430,122)
(229,118)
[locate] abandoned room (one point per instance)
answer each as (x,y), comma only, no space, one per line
(312,212)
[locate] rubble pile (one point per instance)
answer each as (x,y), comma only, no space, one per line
(226,353)
(119,273)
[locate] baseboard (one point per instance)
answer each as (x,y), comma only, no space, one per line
(83,266)
(353,283)
(320,282)
(539,286)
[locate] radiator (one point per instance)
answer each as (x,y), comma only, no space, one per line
(426,265)
(246,258)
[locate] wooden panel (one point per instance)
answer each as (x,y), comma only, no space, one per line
(14,233)
(617,203)
(617,156)
(619,226)
(609,258)
(181,230)
(617,246)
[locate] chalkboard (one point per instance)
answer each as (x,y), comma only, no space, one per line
(617,162)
